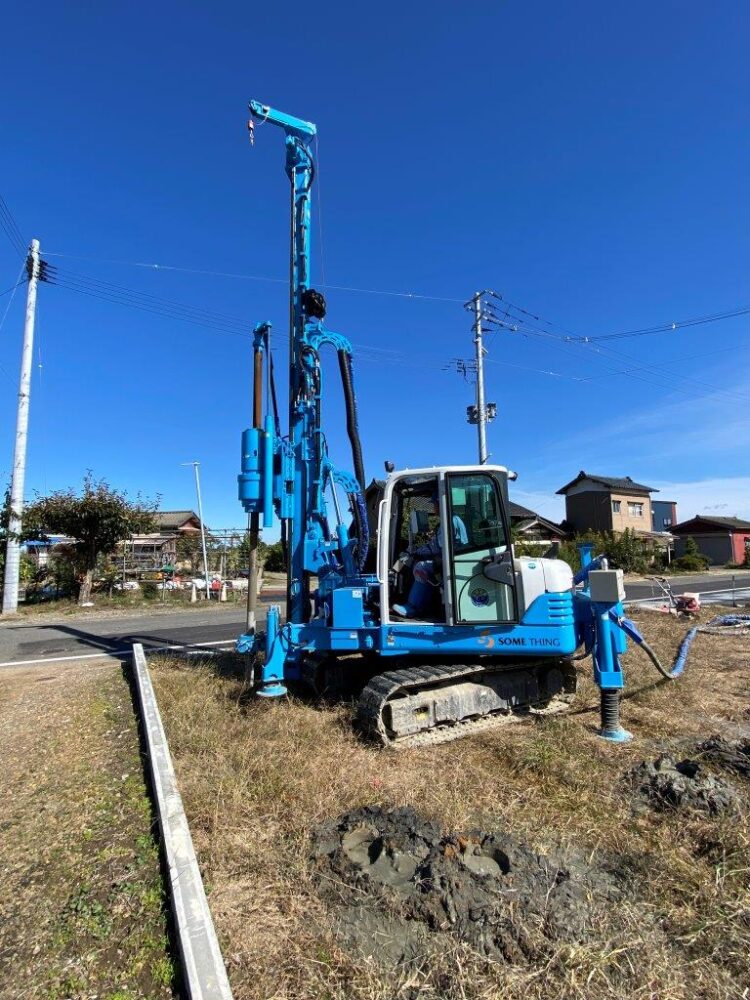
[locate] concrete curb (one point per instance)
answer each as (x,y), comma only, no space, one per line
(204,974)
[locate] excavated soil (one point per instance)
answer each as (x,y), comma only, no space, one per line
(395,883)
(667,784)
(730,755)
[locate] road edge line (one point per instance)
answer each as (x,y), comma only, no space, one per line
(118,654)
(204,972)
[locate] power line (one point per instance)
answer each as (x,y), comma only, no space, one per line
(669,327)
(505,315)
(111,288)
(13,287)
(520,324)
(168,308)
(255,277)
(7,310)
(8,223)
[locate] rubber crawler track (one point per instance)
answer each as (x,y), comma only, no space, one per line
(381,689)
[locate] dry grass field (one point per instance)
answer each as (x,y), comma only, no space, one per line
(81,898)
(258,778)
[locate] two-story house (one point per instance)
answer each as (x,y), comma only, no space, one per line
(607,503)
(664,515)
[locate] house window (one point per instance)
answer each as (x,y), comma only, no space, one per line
(667,522)
(616,504)
(635,509)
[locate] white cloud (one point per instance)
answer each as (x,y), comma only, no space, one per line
(722,496)
(713,424)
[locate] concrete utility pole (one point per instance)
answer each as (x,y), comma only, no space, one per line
(195,466)
(13,550)
(481,412)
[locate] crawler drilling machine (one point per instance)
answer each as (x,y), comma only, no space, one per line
(501,632)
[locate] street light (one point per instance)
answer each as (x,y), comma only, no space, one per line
(196,466)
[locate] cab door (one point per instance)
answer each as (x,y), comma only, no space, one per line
(481,559)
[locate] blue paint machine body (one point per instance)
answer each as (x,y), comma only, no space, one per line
(492,634)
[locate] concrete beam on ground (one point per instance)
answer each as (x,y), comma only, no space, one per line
(204,973)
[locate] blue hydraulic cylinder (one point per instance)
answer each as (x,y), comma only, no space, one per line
(585,550)
(607,669)
(249,479)
(268,451)
(608,672)
(256,479)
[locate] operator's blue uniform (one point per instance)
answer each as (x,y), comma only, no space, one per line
(426,577)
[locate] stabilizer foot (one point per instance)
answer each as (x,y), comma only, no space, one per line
(611,729)
(272,690)
(616,735)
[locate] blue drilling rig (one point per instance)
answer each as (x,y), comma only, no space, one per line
(434,622)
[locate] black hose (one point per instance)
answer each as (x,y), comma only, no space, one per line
(274,399)
(359,510)
(352,427)
(670,675)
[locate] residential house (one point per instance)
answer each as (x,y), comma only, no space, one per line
(159,548)
(721,539)
(663,515)
(607,503)
(41,550)
(533,529)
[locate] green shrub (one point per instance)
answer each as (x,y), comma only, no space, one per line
(692,558)
(626,551)
(690,563)
(273,558)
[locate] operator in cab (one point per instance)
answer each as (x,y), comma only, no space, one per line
(427,569)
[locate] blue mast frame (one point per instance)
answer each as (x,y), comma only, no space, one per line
(303,431)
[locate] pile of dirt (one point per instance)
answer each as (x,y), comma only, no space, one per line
(666,783)
(394,882)
(731,755)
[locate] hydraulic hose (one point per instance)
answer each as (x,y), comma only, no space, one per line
(714,627)
(352,426)
(363,530)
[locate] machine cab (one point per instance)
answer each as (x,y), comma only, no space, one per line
(444,547)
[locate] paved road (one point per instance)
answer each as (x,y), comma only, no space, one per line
(709,583)
(81,636)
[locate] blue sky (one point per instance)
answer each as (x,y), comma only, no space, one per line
(589,161)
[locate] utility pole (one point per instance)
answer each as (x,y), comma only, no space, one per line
(481,412)
(195,466)
(13,549)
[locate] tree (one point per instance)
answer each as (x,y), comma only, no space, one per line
(273,558)
(691,559)
(5,512)
(97,520)
(626,551)
(691,547)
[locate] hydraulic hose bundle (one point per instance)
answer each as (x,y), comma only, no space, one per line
(359,509)
(720,625)
(352,426)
